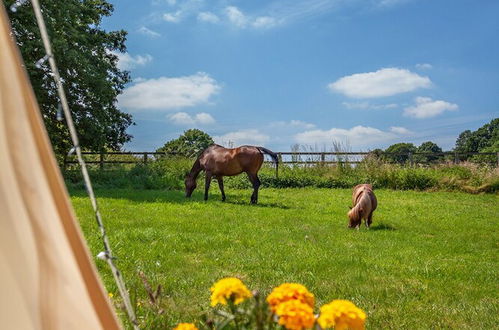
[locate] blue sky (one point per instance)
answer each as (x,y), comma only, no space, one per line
(368,73)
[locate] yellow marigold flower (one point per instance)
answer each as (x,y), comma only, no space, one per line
(341,314)
(290,291)
(229,288)
(110,295)
(295,315)
(185,326)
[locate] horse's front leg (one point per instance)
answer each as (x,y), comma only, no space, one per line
(207,185)
(221,186)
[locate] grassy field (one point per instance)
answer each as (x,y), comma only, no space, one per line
(429,261)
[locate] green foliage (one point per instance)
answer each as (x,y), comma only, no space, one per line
(189,144)
(92,80)
(411,270)
(403,148)
(484,139)
(169,173)
(428,147)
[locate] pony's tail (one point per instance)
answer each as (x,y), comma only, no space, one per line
(274,157)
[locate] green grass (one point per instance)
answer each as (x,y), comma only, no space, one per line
(429,261)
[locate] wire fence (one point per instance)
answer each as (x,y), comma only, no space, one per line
(103,159)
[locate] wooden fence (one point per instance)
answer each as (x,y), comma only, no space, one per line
(311,158)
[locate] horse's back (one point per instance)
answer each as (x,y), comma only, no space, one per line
(225,161)
(364,189)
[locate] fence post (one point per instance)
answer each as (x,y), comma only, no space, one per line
(411,162)
(145,158)
(456,158)
(101,160)
(323,158)
(279,156)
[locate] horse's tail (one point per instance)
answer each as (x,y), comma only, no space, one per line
(274,157)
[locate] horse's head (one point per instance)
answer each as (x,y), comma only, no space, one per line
(190,185)
(354,215)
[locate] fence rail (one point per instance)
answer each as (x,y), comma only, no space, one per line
(288,157)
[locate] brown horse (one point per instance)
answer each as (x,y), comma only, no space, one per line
(364,203)
(218,162)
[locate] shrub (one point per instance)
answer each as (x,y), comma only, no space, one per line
(169,173)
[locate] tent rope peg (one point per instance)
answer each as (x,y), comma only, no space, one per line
(59,114)
(72,150)
(103,255)
(40,62)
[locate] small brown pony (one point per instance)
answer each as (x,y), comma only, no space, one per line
(218,162)
(364,203)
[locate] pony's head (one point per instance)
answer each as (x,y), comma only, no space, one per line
(190,185)
(355,216)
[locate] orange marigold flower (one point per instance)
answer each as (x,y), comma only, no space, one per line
(229,288)
(342,314)
(185,326)
(295,315)
(290,291)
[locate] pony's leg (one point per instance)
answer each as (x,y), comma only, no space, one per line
(207,185)
(369,220)
(221,186)
(255,181)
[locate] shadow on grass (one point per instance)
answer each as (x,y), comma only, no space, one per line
(383,226)
(260,204)
(170,196)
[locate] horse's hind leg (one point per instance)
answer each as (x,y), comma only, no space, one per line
(221,186)
(207,185)
(255,181)
(369,220)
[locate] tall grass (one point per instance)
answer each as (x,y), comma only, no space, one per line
(170,173)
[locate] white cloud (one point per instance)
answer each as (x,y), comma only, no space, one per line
(424,66)
(400,130)
(356,136)
(239,19)
(208,17)
(426,108)
(236,16)
(241,137)
(148,32)
(172,17)
(184,119)
(384,82)
(127,61)
(166,93)
(263,22)
(292,124)
(368,106)
(299,123)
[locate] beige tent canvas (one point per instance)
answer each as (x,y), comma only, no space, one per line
(48,280)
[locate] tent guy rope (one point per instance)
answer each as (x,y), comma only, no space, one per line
(74,137)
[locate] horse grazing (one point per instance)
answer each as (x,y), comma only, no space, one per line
(364,203)
(218,162)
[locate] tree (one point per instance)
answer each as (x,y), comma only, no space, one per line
(88,68)
(484,138)
(189,144)
(428,147)
(400,148)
